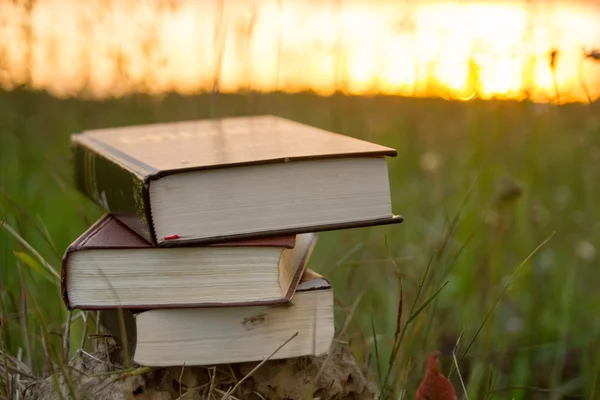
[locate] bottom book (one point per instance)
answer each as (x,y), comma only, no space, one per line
(209,336)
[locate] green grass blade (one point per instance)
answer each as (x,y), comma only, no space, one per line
(34,265)
(29,247)
(504,289)
(377,358)
(416,313)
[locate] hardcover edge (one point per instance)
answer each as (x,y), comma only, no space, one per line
(394,219)
(77,245)
(278,160)
(245,242)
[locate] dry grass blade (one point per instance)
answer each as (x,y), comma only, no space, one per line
(396,344)
(221,392)
(342,331)
(85,329)
(212,372)
(232,374)
(67,337)
(124,374)
(85,353)
(181,380)
(18,364)
(462,383)
(412,316)
(24,315)
(17,378)
(53,360)
(377,358)
(5,378)
(17,371)
(259,395)
(129,371)
(191,390)
(351,313)
(400,306)
(211,385)
(75,318)
(97,320)
(24,321)
(249,374)
(57,367)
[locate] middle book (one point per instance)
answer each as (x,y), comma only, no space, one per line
(110,266)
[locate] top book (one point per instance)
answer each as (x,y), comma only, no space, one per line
(205,181)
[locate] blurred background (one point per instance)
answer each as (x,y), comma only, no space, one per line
(492,106)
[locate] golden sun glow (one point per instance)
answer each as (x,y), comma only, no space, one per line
(454,49)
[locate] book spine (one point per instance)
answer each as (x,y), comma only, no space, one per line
(115,188)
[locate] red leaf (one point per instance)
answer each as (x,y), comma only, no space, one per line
(435,386)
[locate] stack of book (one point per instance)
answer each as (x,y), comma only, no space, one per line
(208,230)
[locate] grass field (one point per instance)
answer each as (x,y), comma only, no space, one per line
(501,208)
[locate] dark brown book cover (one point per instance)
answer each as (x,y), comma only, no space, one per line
(114,166)
(109,233)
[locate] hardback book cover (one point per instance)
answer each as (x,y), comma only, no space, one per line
(108,233)
(115,166)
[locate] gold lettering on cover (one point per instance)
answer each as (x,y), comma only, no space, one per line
(237,128)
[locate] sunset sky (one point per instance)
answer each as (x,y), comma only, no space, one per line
(453,49)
